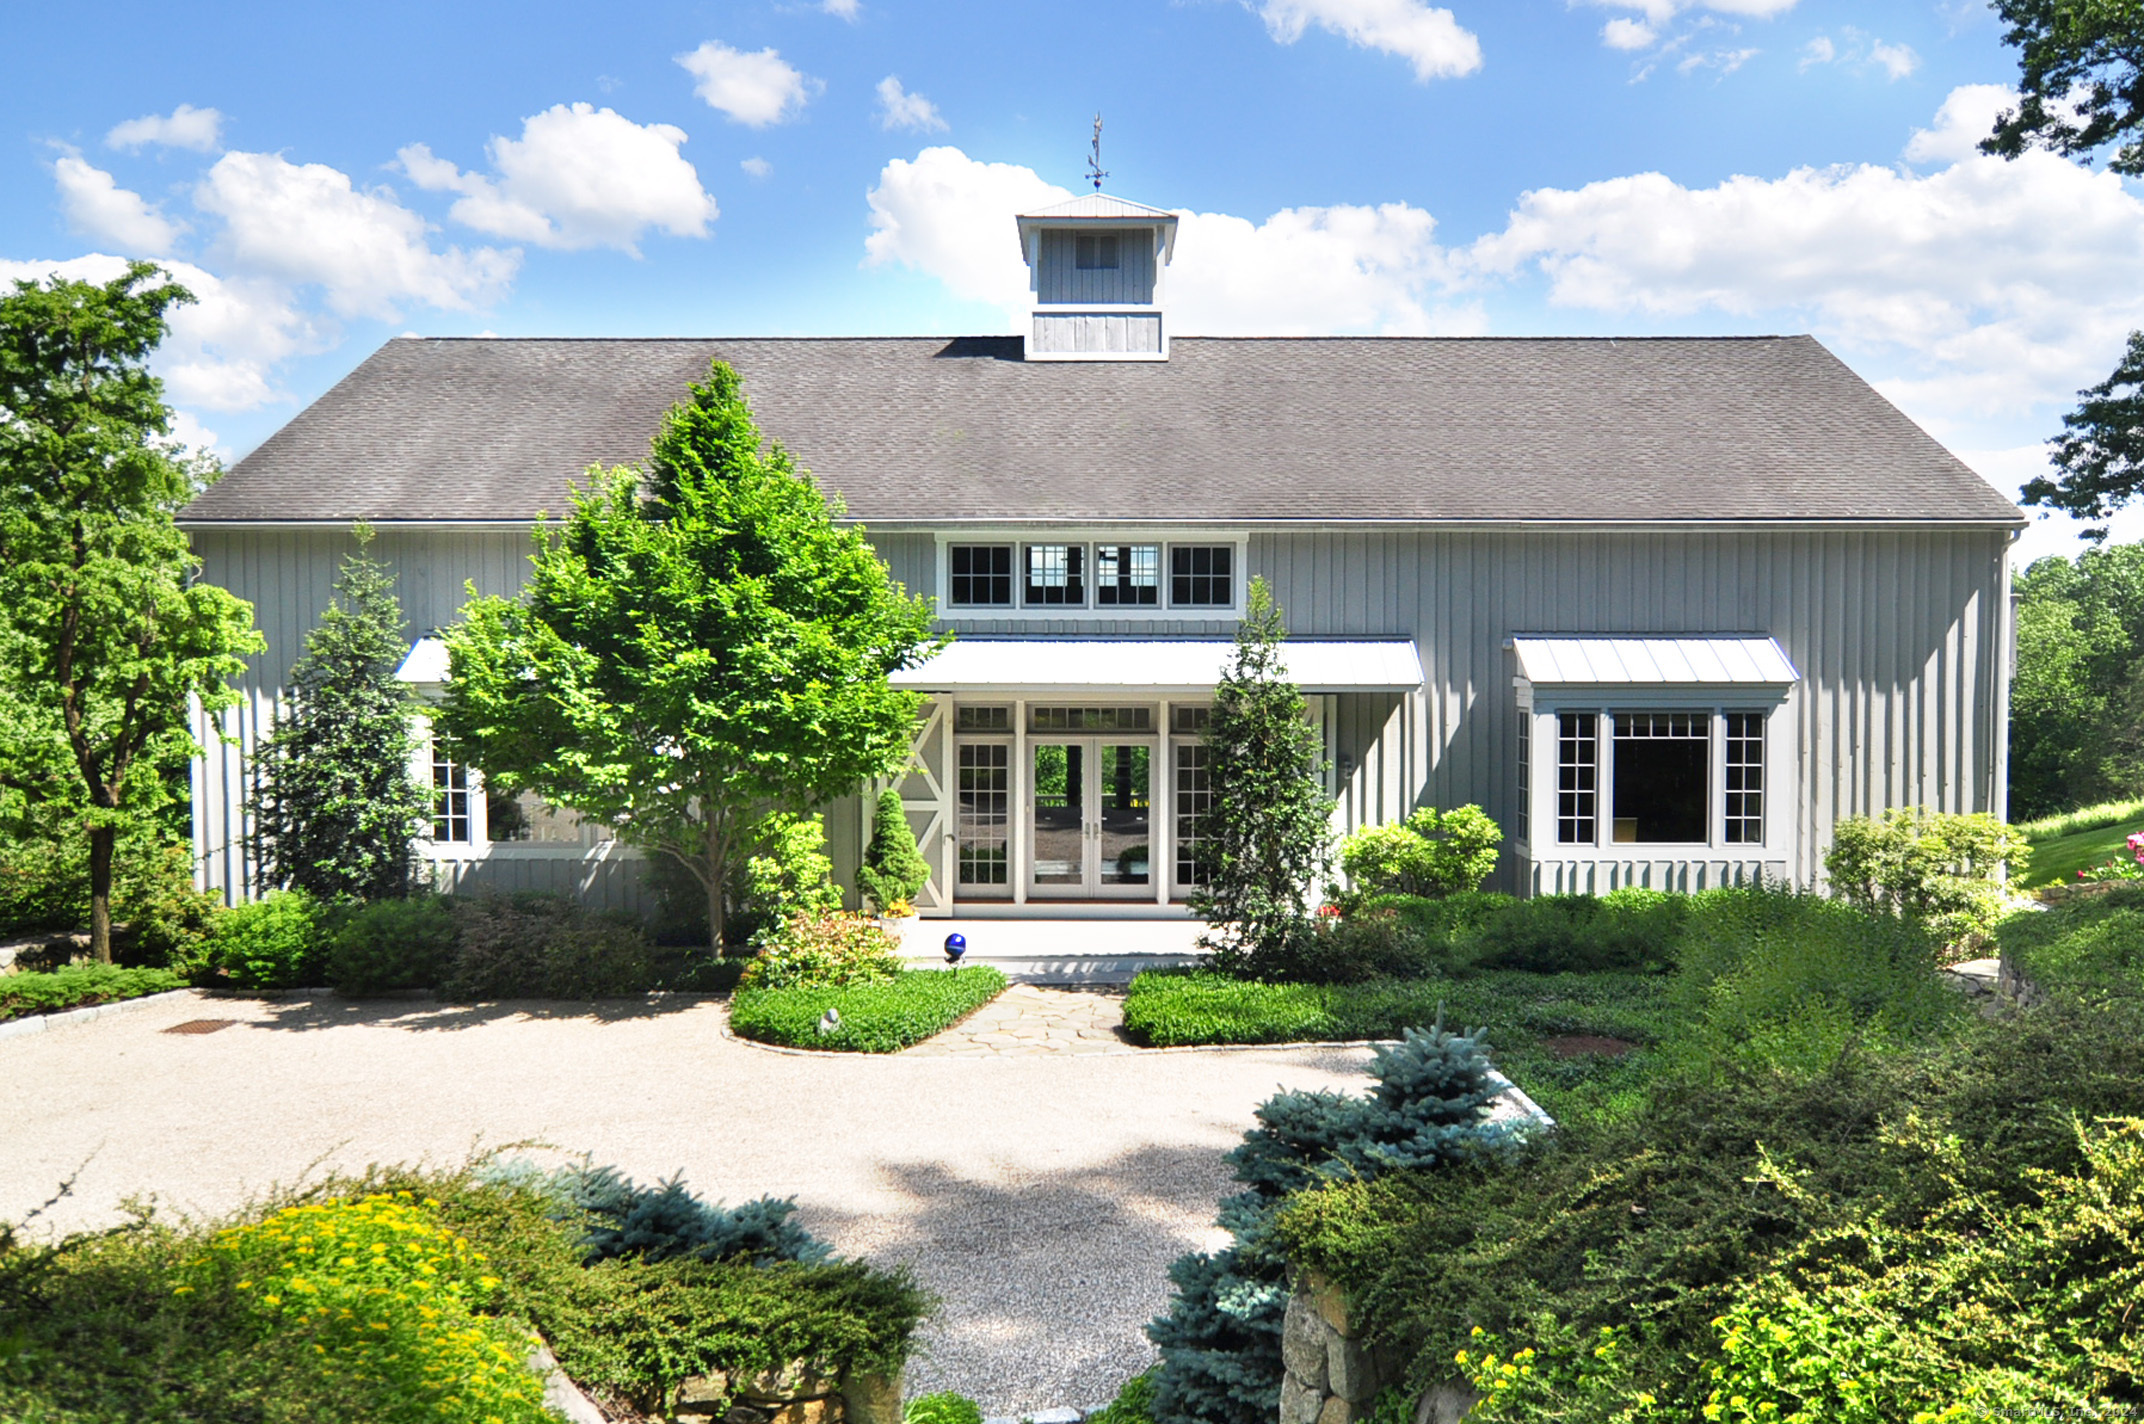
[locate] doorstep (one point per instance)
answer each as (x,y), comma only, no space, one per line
(1059,951)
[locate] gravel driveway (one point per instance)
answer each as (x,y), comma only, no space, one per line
(1041,1197)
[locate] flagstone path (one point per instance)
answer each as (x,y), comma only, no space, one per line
(1030,1018)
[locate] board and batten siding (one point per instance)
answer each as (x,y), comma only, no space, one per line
(1899,635)
(1060,280)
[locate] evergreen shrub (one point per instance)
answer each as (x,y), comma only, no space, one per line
(75,986)
(270,943)
(1560,934)
(667,1221)
(894,871)
(392,944)
(1220,1340)
(944,1407)
(792,874)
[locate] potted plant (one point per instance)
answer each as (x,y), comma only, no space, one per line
(894,872)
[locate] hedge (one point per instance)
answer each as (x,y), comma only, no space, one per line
(874,1018)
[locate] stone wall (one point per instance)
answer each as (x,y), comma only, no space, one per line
(1333,1376)
(799,1393)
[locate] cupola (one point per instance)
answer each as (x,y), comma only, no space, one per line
(1095,266)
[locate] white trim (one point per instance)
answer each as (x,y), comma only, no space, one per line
(1090,535)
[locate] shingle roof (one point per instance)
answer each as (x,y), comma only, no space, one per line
(1345,428)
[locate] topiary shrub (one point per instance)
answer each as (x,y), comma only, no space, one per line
(1431,854)
(1941,869)
(270,943)
(827,948)
(1220,1341)
(894,872)
(392,944)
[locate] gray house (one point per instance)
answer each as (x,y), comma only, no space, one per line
(1666,608)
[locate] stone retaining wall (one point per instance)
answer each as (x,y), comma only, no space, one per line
(799,1393)
(1333,1376)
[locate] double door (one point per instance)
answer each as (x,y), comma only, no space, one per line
(1091,818)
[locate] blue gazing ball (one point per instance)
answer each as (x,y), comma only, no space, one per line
(955,946)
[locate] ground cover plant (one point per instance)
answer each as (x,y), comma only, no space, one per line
(1836,1195)
(417,1296)
(76,985)
(873,1016)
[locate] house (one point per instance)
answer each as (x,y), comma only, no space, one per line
(1667,608)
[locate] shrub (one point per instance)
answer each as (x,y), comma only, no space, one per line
(879,1017)
(1936,867)
(1134,1403)
(270,943)
(667,1222)
(1365,945)
(1431,854)
(945,1407)
(894,871)
(2095,944)
(792,875)
(1555,934)
(392,944)
(544,946)
(78,984)
(821,949)
(389,1298)
(1788,980)
(1220,1340)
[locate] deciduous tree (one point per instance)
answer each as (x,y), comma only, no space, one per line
(698,647)
(106,630)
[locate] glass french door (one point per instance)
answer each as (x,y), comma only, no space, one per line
(1091,819)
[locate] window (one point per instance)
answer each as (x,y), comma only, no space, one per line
(1663,766)
(1578,751)
(1193,720)
(1526,770)
(982,719)
(526,819)
(1056,575)
(985,815)
(1091,719)
(982,575)
(1745,778)
(1201,575)
(1127,575)
(450,798)
(1095,251)
(1194,798)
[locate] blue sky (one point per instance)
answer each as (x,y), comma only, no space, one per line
(330,178)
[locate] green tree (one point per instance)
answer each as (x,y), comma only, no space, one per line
(334,806)
(696,649)
(2080,91)
(108,633)
(1262,846)
(2077,703)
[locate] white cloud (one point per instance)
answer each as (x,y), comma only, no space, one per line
(184,127)
(1897,60)
(1426,36)
(1819,51)
(1627,33)
(98,208)
(577,177)
(306,224)
(1300,272)
(1967,116)
(1659,12)
(754,89)
(1987,288)
(1861,51)
(899,109)
(840,9)
(223,346)
(757,167)
(1727,61)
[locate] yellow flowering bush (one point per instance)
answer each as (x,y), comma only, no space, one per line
(390,1298)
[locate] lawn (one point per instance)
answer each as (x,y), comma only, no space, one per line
(2078,840)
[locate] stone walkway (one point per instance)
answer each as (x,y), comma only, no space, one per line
(1028,1018)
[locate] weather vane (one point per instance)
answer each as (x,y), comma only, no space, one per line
(1095,171)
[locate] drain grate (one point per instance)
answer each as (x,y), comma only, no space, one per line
(200,1025)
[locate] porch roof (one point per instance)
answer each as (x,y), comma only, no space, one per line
(1155,666)
(1750,659)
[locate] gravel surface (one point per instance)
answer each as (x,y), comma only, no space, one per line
(1042,1197)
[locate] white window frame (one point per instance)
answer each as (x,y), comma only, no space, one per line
(480,844)
(1090,610)
(1546,705)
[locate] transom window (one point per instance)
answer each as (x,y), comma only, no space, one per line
(982,719)
(982,575)
(1056,575)
(1095,251)
(1090,719)
(1127,575)
(1202,575)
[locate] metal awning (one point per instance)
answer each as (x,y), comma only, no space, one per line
(1692,660)
(425,663)
(1157,667)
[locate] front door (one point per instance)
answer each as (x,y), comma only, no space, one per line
(1091,819)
